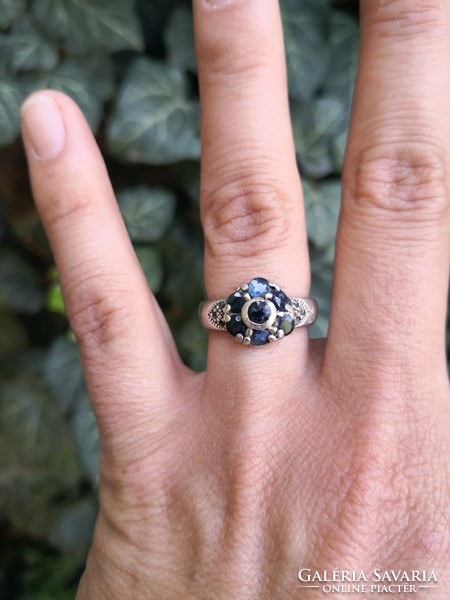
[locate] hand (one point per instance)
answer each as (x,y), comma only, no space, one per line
(297,455)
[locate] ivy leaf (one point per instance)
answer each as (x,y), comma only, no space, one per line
(322,204)
(37,461)
(25,48)
(179,39)
(305,37)
(153,121)
(13,335)
(150,262)
(147,212)
(20,286)
(72,532)
(315,125)
(11,98)
(99,69)
(64,374)
(72,80)
(83,25)
(10,10)
(86,438)
(344,40)
(321,287)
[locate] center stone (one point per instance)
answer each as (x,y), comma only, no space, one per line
(259,313)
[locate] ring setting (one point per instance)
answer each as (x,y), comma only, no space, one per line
(258,313)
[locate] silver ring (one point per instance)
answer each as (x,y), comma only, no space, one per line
(258,312)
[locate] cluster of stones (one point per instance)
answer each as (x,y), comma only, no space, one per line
(259,313)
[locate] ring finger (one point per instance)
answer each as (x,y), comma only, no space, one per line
(251,200)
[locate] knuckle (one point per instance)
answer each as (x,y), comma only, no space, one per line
(101,311)
(410,180)
(248,217)
(402,18)
(65,203)
(223,59)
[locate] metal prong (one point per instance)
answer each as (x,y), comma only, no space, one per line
(272,338)
(272,329)
(275,285)
(226,318)
(244,287)
(246,341)
(280,313)
(247,296)
(249,332)
(268,296)
(226,308)
(239,337)
(280,334)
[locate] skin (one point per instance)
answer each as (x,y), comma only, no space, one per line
(299,454)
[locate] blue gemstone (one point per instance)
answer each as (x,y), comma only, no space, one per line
(280,300)
(258,287)
(236,325)
(260,338)
(259,312)
(236,301)
(286,324)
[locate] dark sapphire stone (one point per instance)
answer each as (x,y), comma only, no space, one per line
(258,287)
(280,300)
(235,325)
(259,338)
(236,301)
(259,312)
(287,324)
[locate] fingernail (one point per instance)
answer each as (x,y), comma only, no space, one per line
(44,126)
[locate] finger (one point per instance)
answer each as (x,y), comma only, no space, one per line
(128,356)
(251,200)
(392,260)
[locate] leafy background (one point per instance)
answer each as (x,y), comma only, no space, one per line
(132,69)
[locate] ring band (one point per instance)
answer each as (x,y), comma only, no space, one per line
(258,312)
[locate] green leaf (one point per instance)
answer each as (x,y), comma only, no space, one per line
(11,98)
(305,37)
(64,373)
(192,343)
(321,287)
(20,286)
(37,461)
(69,78)
(13,336)
(55,302)
(153,121)
(344,40)
(74,528)
(99,69)
(25,49)
(315,125)
(10,10)
(147,212)
(86,437)
(179,39)
(322,205)
(82,25)
(150,262)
